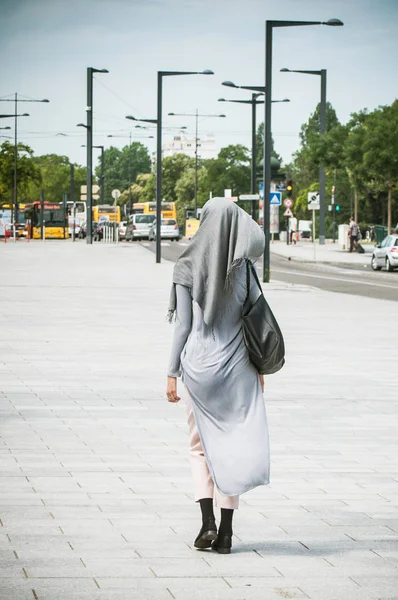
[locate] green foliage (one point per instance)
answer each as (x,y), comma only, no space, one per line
(55,178)
(27,172)
(121,167)
(360,158)
(230,170)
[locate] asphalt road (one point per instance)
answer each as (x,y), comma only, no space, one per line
(344,280)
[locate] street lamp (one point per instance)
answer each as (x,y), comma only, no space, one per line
(158,122)
(102,178)
(269,26)
(196,115)
(322,130)
(89,144)
(14,204)
(5,127)
(253,103)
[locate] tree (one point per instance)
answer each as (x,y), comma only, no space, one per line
(55,178)
(230,170)
(121,167)
(27,172)
(380,151)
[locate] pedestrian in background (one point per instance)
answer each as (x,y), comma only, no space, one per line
(353,233)
(293,229)
(229,447)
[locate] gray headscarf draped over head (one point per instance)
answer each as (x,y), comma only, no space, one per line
(227,236)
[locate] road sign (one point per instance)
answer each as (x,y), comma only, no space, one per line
(288,203)
(281,187)
(249,197)
(261,191)
(275,198)
(288,213)
(313,201)
(116,194)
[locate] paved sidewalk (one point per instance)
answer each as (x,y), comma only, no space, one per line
(95,486)
(328,253)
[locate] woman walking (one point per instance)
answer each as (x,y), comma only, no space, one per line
(229,446)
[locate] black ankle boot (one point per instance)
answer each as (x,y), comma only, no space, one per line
(206,535)
(223,543)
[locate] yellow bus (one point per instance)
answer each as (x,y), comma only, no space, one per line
(169,209)
(53,217)
(106,212)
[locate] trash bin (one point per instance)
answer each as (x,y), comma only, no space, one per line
(380,233)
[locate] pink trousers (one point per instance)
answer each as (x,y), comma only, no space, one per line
(203,483)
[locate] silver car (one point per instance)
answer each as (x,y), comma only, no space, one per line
(386,254)
(139,227)
(168,230)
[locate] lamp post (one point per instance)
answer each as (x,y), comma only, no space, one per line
(196,115)
(14,204)
(322,130)
(89,144)
(102,177)
(129,158)
(253,103)
(158,122)
(269,26)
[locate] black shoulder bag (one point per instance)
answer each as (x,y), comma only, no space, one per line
(261,332)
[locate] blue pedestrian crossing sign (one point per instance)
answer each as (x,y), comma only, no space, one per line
(275,198)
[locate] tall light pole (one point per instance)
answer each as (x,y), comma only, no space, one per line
(269,26)
(102,176)
(14,204)
(322,130)
(253,103)
(158,122)
(129,158)
(196,115)
(89,144)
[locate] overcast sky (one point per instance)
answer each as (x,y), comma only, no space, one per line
(46,46)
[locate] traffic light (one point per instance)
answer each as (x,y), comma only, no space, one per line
(337,207)
(289,188)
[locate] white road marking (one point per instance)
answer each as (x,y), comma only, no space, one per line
(301,274)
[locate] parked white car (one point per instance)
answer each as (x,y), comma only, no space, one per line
(168,230)
(386,254)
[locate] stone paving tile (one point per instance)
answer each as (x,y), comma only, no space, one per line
(94,468)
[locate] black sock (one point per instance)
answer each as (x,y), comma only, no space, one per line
(226,521)
(206,506)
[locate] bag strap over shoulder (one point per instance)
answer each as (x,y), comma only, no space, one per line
(250,268)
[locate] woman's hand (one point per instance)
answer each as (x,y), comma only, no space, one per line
(261,381)
(172,390)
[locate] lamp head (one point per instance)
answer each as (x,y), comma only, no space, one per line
(81,125)
(25,115)
(285,70)
(229,84)
(44,100)
(171,114)
(131,118)
(221,100)
(221,115)
(206,72)
(334,23)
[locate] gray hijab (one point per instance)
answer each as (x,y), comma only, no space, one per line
(227,236)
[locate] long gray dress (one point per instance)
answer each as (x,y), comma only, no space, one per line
(225,389)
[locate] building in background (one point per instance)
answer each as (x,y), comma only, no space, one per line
(185,144)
